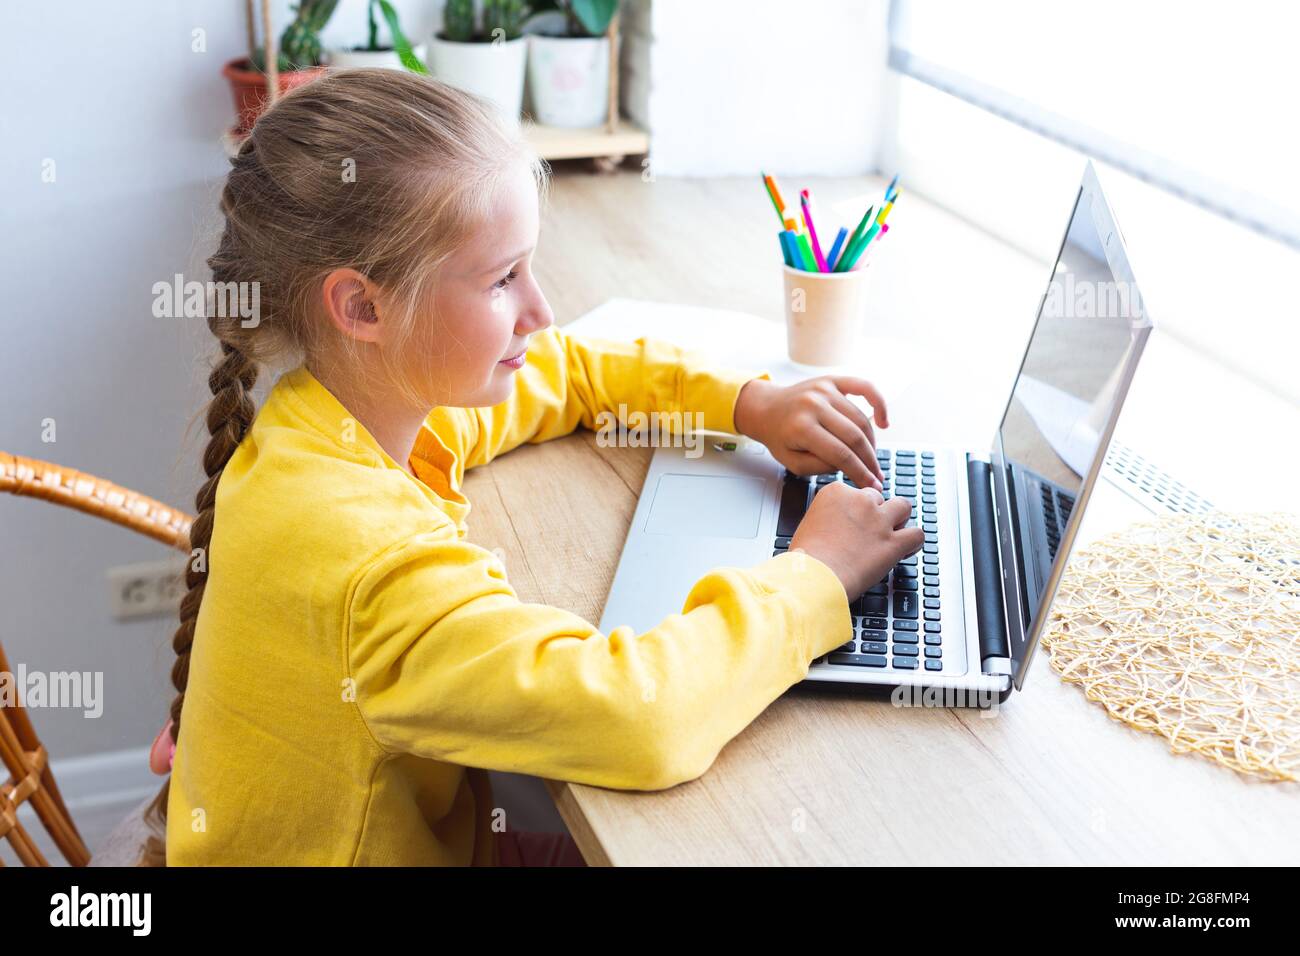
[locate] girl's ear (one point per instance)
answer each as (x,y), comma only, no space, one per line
(350,304)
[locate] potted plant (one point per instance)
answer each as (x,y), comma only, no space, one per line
(298,61)
(401,55)
(568,64)
(487,60)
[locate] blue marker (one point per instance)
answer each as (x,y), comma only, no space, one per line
(788,249)
(835,249)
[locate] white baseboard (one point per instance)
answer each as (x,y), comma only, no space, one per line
(117,777)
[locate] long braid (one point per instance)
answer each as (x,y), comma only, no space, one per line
(377,170)
(229,417)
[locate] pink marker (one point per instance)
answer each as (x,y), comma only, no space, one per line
(805,200)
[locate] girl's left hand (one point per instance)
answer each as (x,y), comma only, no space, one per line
(812,428)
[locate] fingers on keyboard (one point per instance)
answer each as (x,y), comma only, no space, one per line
(899,510)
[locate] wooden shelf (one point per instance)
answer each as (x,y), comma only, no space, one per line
(552,142)
(607,144)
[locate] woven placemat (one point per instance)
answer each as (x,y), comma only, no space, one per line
(1189,627)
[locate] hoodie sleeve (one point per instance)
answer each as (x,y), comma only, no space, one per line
(448,664)
(571,380)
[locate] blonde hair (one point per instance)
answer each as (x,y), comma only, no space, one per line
(381,171)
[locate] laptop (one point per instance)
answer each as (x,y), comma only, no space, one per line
(966,612)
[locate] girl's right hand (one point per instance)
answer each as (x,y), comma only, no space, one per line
(857,534)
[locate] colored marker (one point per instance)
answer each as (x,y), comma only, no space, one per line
(835,248)
(853,239)
(850,258)
(796,254)
(805,251)
(792,243)
(805,201)
(775,191)
(889,190)
(770,188)
(783,238)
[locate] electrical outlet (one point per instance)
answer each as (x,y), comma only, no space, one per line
(149,589)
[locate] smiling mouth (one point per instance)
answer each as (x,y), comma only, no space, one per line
(514,360)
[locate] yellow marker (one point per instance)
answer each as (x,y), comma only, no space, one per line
(884,212)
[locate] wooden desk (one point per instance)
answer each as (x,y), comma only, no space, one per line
(821,779)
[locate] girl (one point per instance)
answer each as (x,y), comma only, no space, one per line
(348,665)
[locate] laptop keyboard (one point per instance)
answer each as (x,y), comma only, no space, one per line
(1057,506)
(897,621)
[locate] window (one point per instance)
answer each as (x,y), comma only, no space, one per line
(999,102)
(1201,98)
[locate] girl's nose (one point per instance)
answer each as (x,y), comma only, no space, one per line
(537,317)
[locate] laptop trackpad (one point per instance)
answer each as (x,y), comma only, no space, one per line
(707,506)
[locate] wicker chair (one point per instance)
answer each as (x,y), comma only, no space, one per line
(30,779)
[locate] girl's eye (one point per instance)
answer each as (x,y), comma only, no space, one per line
(506,280)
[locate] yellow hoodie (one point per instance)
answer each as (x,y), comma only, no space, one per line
(358,665)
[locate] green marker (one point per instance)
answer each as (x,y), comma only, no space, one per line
(842,265)
(853,255)
(806,253)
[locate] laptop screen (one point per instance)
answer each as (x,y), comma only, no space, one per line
(1065,395)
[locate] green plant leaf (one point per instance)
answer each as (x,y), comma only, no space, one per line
(594,15)
(400,43)
(318,13)
(282,62)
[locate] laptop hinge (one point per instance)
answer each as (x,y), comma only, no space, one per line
(998,666)
(995,655)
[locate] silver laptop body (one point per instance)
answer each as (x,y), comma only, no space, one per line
(965,614)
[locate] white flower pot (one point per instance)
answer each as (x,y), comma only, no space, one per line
(388,59)
(568,79)
(494,71)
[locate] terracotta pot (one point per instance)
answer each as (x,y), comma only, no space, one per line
(248,87)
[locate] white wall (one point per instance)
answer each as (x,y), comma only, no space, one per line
(130,115)
(731,86)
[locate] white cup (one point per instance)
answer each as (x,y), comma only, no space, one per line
(824,313)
